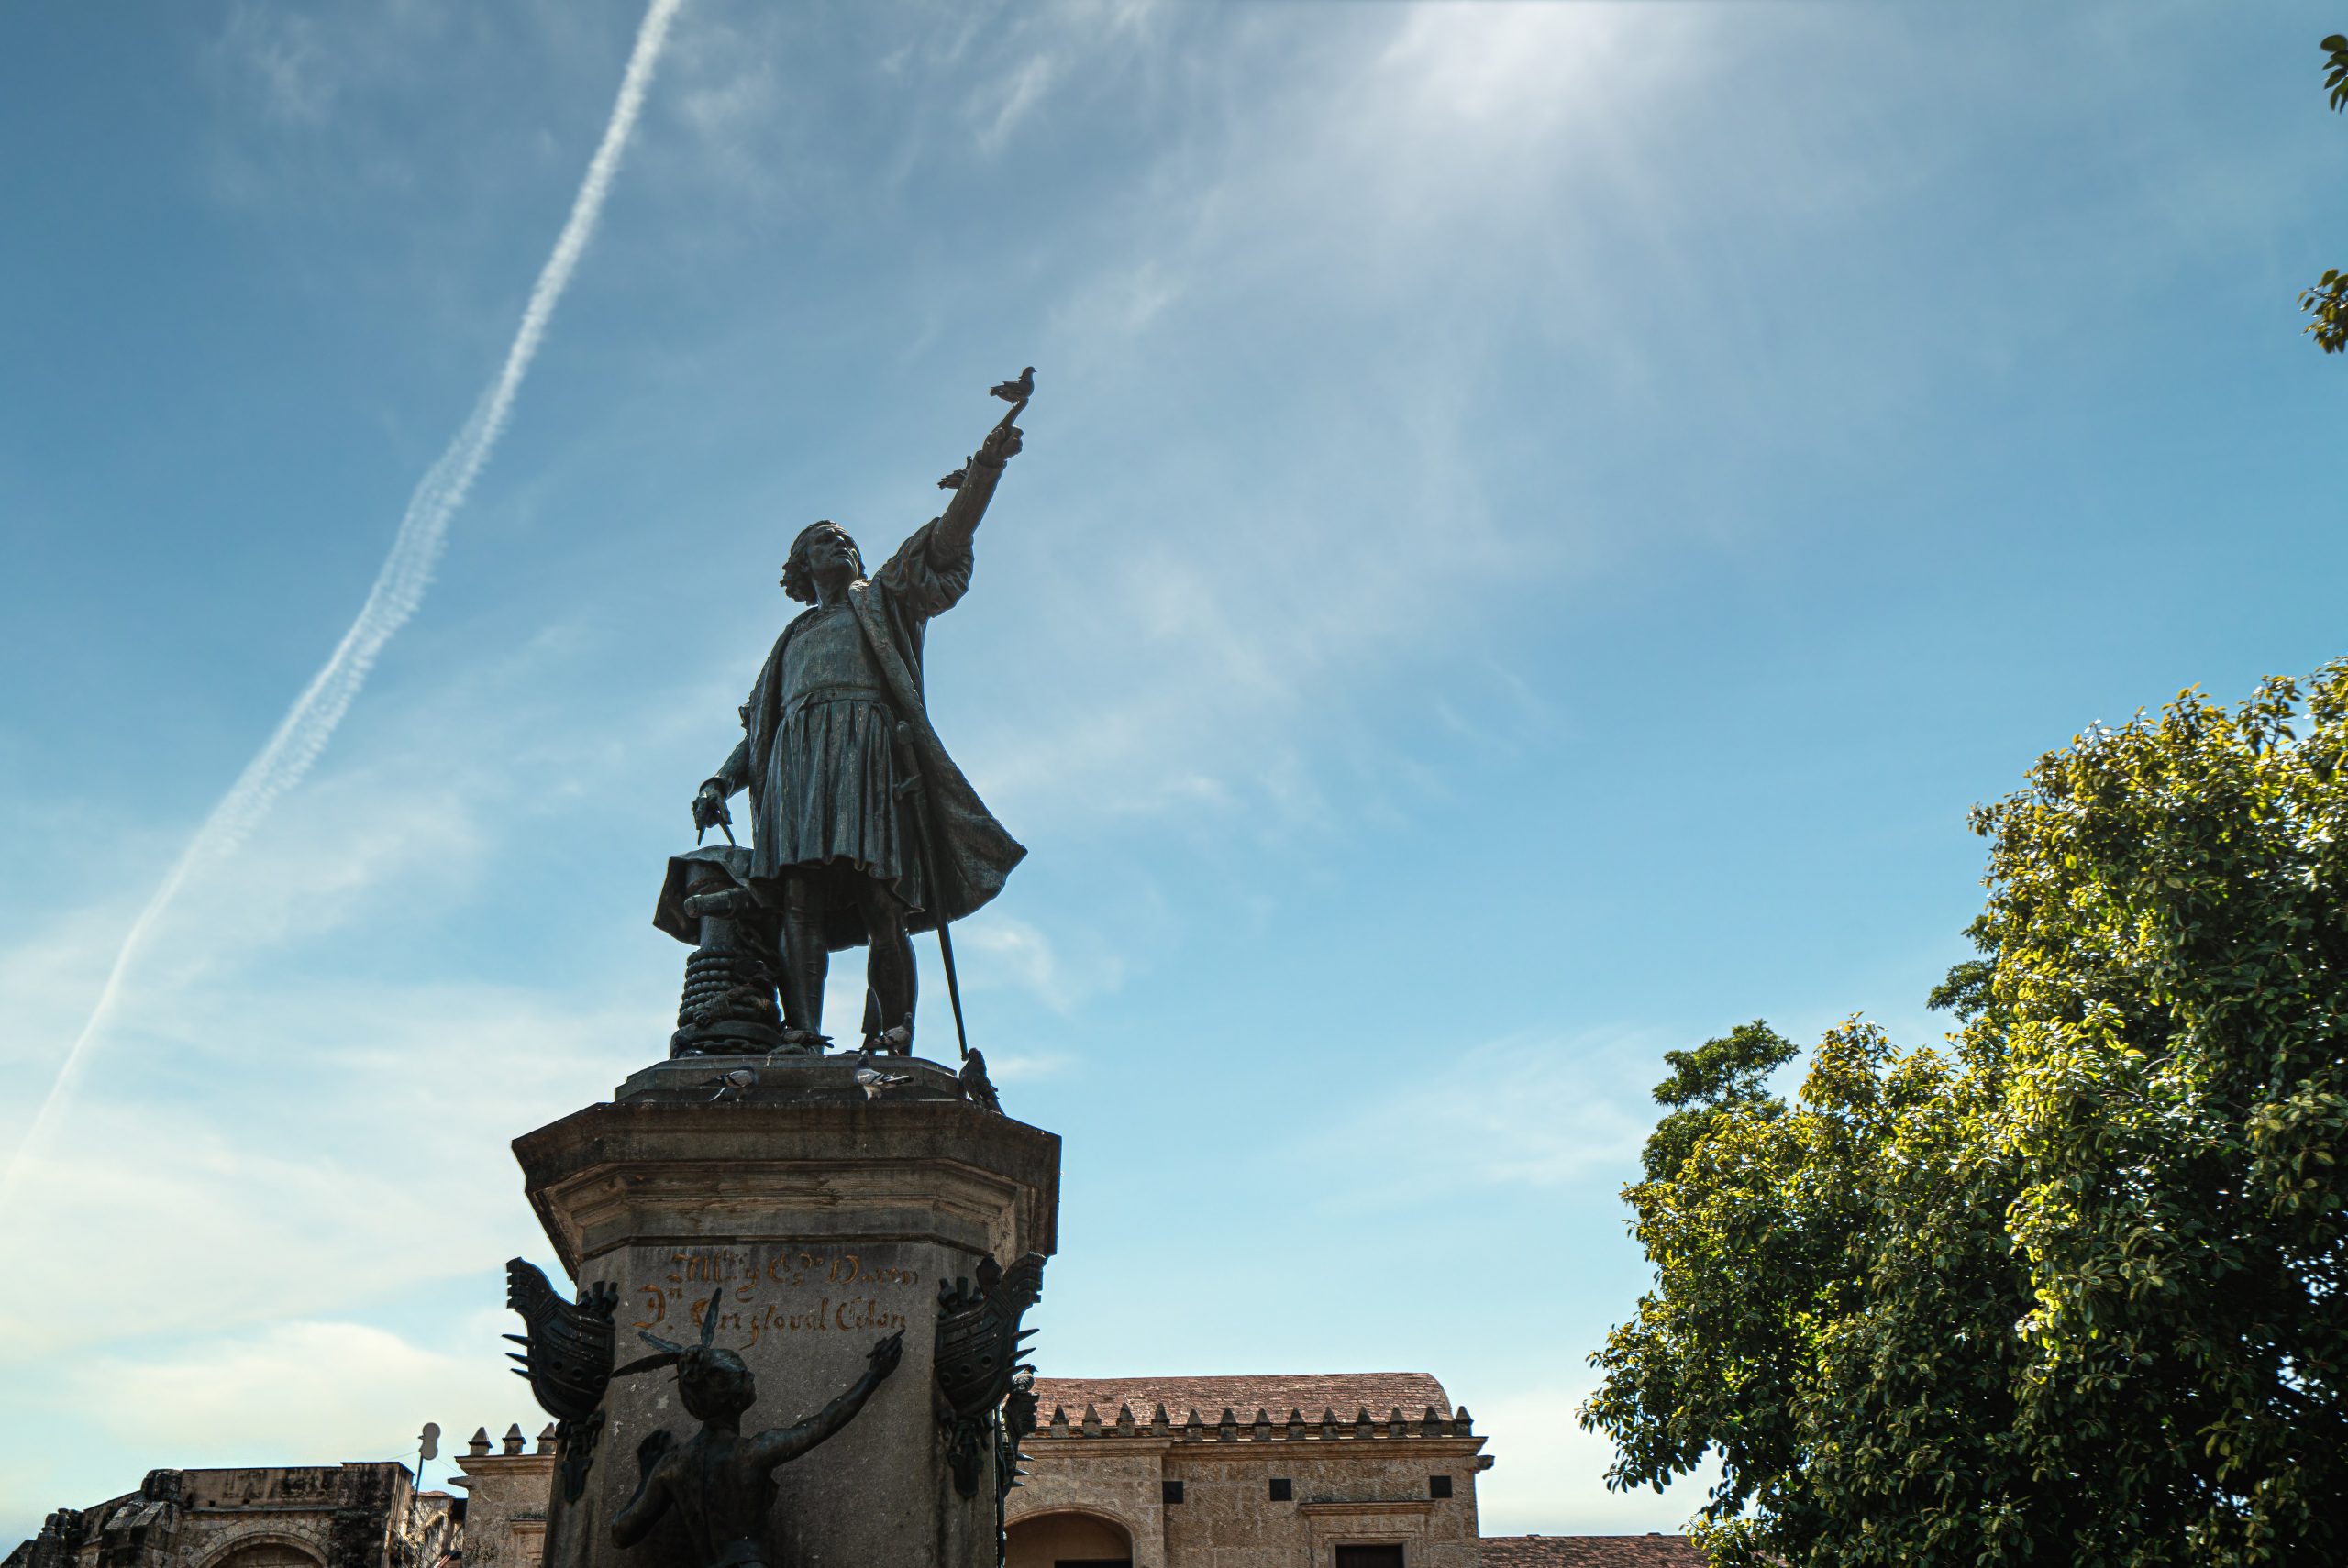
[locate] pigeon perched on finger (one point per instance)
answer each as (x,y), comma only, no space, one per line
(1019,391)
(954,480)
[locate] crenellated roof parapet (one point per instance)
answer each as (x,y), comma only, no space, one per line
(1361,1427)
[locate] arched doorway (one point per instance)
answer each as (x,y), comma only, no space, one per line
(1068,1541)
(265,1552)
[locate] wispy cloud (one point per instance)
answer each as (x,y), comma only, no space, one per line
(1403,180)
(1029,958)
(1525,1111)
(314,1391)
(229,1394)
(279,50)
(1551,1475)
(399,587)
(1017,1067)
(1020,94)
(347,1137)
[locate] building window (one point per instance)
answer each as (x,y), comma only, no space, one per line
(1438,1485)
(1282,1490)
(1171,1492)
(1387,1556)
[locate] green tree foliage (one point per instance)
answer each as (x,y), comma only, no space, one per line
(2069,1290)
(1719,1080)
(2327,300)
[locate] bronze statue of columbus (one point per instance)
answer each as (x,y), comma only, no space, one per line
(863,830)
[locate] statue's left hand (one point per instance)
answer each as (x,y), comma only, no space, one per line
(885,1356)
(709,807)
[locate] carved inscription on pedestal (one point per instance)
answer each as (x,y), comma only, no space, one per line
(759,1291)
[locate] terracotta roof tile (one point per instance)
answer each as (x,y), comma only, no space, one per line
(1589,1552)
(1311,1392)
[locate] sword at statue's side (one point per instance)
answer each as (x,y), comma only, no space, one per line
(912,788)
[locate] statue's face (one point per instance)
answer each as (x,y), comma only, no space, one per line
(715,1382)
(830,551)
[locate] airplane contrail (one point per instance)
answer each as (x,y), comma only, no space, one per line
(399,587)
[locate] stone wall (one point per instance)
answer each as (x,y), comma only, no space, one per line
(1121,1486)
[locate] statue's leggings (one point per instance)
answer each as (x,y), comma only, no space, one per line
(805,962)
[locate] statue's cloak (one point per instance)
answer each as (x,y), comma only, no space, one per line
(969,852)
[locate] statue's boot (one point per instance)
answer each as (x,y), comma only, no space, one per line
(890,979)
(892,1040)
(805,966)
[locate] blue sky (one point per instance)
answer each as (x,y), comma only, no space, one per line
(1537,522)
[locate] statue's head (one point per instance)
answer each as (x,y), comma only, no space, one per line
(820,549)
(714,1383)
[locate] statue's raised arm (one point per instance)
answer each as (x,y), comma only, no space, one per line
(949,538)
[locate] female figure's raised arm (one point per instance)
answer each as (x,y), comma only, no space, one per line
(783,1444)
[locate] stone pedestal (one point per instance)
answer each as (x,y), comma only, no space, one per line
(813,1219)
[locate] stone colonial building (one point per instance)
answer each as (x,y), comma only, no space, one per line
(1346,1470)
(1350,1470)
(1366,1470)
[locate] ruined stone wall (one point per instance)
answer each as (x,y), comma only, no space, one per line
(303,1516)
(233,1514)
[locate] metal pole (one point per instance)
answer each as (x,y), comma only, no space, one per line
(913,786)
(952,986)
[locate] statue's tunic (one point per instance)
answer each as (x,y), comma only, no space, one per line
(818,756)
(835,760)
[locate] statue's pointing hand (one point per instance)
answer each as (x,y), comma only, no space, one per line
(1003,441)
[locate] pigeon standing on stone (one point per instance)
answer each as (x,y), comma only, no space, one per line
(1019,391)
(872,1080)
(976,1088)
(732,1082)
(954,480)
